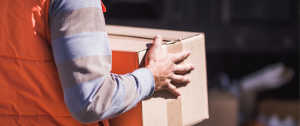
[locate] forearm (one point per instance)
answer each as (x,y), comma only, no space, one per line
(93,94)
(116,95)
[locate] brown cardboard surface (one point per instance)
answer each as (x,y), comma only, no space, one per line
(223,109)
(168,35)
(174,110)
(194,101)
(163,108)
(128,44)
(280,107)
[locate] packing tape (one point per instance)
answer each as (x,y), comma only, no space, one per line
(174,110)
(175,48)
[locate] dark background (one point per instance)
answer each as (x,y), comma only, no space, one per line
(241,36)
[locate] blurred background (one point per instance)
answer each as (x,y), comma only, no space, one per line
(252,53)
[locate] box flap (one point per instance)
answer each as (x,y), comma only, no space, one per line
(147,33)
(128,44)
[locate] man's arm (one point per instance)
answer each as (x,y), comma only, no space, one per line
(83,58)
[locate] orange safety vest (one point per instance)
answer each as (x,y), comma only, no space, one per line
(30,90)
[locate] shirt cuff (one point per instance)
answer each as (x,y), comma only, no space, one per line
(146,82)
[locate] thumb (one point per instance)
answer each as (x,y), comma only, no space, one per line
(155,49)
(157,41)
(156,45)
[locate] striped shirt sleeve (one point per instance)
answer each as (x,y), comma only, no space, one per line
(83,59)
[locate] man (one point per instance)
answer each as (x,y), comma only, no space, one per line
(42,41)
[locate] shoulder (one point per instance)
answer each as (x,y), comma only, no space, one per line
(61,6)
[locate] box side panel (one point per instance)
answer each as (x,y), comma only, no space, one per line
(122,63)
(194,95)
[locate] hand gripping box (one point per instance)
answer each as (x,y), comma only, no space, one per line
(129,46)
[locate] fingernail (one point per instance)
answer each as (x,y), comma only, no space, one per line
(179,93)
(193,66)
(188,80)
(158,35)
(189,51)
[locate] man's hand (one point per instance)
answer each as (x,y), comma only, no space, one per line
(163,67)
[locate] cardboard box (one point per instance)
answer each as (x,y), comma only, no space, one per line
(129,46)
(223,109)
(280,107)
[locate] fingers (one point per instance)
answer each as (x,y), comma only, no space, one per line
(184,68)
(180,56)
(173,90)
(180,79)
